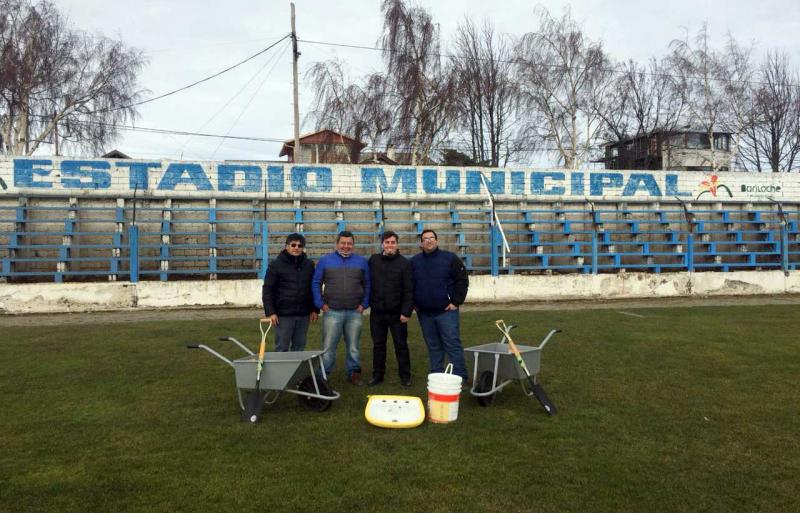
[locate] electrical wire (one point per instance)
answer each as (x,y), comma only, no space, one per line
(189,86)
(255,93)
(275,57)
(547,65)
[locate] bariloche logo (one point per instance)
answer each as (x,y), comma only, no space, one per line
(711,186)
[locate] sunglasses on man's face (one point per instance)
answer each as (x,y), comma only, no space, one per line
(296,245)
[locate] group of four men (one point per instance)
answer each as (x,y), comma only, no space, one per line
(344,284)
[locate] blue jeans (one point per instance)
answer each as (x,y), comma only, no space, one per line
(336,323)
(290,333)
(441,334)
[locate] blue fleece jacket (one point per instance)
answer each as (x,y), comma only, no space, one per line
(346,281)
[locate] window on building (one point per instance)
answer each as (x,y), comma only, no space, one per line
(697,141)
(677,140)
(722,142)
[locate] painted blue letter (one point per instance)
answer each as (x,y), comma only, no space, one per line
(517,182)
(173,177)
(72,173)
(430,182)
(637,179)
(138,173)
(537,183)
(373,177)
(599,181)
(226,175)
(275,178)
(324,179)
(497,183)
(24,171)
(576,183)
(671,185)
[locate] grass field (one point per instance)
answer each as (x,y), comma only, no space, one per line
(671,410)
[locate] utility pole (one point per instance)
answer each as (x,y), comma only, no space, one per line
(55,131)
(295,56)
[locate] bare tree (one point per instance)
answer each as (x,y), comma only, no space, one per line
(562,75)
(58,82)
(770,138)
(487,93)
(715,83)
(422,91)
(360,111)
(646,100)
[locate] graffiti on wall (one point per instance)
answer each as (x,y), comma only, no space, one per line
(174,178)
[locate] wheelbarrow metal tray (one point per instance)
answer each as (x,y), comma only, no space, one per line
(280,369)
(507,366)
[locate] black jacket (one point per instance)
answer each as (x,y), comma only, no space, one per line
(392,288)
(287,287)
(440,278)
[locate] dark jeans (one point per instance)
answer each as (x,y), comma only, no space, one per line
(441,333)
(380,324)
(290,333)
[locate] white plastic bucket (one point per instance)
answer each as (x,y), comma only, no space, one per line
(444,389)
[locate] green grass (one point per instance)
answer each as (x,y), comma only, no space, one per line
(682,410)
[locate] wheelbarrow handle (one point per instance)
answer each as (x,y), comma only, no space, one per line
(202,346)
(548,337)
(231,339)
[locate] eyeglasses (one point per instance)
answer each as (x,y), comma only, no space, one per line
(428,238)
(296,245)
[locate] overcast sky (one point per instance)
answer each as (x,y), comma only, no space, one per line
(188,40)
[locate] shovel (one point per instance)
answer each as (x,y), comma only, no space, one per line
(254,401)
(535,387)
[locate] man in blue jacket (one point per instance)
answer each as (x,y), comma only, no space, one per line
(341,290)
(440,287)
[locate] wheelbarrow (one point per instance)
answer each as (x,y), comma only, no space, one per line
(495,366)
(296,372)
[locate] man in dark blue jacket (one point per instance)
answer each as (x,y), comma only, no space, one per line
(345,276)
(286,295)
(440,287)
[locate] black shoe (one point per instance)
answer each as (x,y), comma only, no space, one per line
(375,381)
(405,383)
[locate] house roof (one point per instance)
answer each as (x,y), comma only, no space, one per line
(114,154)
(324,136)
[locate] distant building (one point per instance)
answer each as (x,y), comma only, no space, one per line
(394,158)
(324,147)
(114,154)
(673,150)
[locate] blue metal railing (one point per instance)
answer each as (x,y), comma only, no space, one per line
(45,242)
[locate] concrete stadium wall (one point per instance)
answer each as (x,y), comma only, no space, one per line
(67,177)
(46,298)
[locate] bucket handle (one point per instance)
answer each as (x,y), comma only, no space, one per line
(448,369)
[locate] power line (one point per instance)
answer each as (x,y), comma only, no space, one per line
(206,79)
(547,65)
(252,97)
(178,132)
(240,91)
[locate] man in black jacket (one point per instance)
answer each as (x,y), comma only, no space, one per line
(286,295)
(391,301)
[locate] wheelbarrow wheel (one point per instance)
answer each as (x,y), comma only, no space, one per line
(485,381)
(314,403)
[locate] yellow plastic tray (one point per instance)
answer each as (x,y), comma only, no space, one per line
(394,411)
